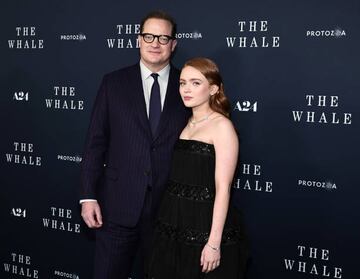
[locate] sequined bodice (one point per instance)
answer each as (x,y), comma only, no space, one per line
(195,146)
(192,175)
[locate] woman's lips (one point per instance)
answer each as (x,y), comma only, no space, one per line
(187,98)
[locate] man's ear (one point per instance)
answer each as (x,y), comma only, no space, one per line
(173,45)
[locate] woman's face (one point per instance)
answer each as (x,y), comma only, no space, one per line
(194,89)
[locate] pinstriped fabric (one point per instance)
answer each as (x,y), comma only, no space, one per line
(119,136)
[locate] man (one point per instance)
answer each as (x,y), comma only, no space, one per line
(137,117)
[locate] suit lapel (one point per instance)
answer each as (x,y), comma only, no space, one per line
(138,97)
(170,103)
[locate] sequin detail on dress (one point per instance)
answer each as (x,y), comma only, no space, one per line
(190,192)
(191,236)
(195,146)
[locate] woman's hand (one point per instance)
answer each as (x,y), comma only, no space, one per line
(210,258)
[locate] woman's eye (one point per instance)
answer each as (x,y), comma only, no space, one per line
(196,83)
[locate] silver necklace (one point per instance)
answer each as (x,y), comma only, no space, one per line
(193,123)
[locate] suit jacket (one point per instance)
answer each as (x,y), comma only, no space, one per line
(122,160)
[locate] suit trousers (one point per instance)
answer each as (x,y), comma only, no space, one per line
(117,246)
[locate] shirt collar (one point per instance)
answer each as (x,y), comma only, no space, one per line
(146,73)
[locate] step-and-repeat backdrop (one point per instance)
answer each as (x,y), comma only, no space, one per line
(291,70)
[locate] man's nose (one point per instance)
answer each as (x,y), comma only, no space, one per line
(155,42)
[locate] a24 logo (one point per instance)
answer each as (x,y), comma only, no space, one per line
(21,96)
(18,212)
(246,106)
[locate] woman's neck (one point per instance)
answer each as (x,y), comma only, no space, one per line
(201,112)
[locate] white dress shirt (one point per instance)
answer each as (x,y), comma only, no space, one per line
(148,81)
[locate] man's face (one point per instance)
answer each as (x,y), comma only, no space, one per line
(154,55)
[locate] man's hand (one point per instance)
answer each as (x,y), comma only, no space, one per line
(91,213)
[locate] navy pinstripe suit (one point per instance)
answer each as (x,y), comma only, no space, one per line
(122,161)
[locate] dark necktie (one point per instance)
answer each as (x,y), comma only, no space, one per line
(155,104)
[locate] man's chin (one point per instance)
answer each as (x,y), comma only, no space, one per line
(156,63)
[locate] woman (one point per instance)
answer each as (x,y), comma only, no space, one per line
(197,234)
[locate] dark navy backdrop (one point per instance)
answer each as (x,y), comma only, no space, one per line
(291,71)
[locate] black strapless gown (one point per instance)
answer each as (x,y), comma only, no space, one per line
(185,217)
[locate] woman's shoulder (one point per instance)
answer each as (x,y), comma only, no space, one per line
(222,128)
(221,122)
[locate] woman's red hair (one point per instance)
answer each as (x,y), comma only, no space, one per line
(218,102)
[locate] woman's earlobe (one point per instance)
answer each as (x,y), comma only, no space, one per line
(214,90)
